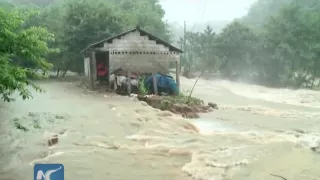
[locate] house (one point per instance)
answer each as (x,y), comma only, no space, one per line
(134,51)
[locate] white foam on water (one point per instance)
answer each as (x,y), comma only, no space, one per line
(209,127)
(300,97)
(309,140)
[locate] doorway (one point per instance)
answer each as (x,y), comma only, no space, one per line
(103,66)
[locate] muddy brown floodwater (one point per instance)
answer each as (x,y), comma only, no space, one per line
(257,131)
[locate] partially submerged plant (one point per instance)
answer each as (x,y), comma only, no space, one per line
(19,126)
(183,99)
(142,87)
(165,104)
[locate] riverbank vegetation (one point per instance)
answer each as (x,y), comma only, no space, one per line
(187,106)
(276,44)
(278,48)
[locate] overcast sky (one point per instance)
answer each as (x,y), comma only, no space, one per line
(204,10)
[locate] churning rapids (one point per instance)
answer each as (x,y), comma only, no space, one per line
(257,131)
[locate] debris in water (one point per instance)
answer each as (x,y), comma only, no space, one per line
(300,131)
(316,147)
(213,105)
(52,140)
(278,176)
(19,126)
(36,123)
(59,117)
(36,120)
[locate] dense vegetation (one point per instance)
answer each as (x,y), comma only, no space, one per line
(68,26)
(281,48)
(22,53)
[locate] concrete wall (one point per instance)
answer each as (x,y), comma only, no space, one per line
(137,53)
(87,70)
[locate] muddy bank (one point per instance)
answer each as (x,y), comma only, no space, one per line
(187,107)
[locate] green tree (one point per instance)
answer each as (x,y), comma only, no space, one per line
(236,49)
(292,37)
(148,14)
(261,10)
(279,49)
(21,45)
(78,24)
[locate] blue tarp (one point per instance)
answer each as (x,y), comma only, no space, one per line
(165,84)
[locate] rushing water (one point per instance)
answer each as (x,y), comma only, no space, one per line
(257,131)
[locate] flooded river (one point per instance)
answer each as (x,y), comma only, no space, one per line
(257,131)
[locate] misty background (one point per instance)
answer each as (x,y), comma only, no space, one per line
(198,14)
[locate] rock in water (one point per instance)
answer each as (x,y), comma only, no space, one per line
(213,105)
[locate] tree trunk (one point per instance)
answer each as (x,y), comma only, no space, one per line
(302,79)
(291,74)
(315,71)
(67,68)
(58,72)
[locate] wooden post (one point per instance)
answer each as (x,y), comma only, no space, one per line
(155,84)
(109,69)
(129,82)
(90,79)
(178,74)
(93,68)
(115,83)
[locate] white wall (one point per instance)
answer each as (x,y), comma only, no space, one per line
(150,57)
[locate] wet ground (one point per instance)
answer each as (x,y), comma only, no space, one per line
(256,132)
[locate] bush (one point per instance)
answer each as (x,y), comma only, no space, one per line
(142,87)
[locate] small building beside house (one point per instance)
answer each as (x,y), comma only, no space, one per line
(134,51)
